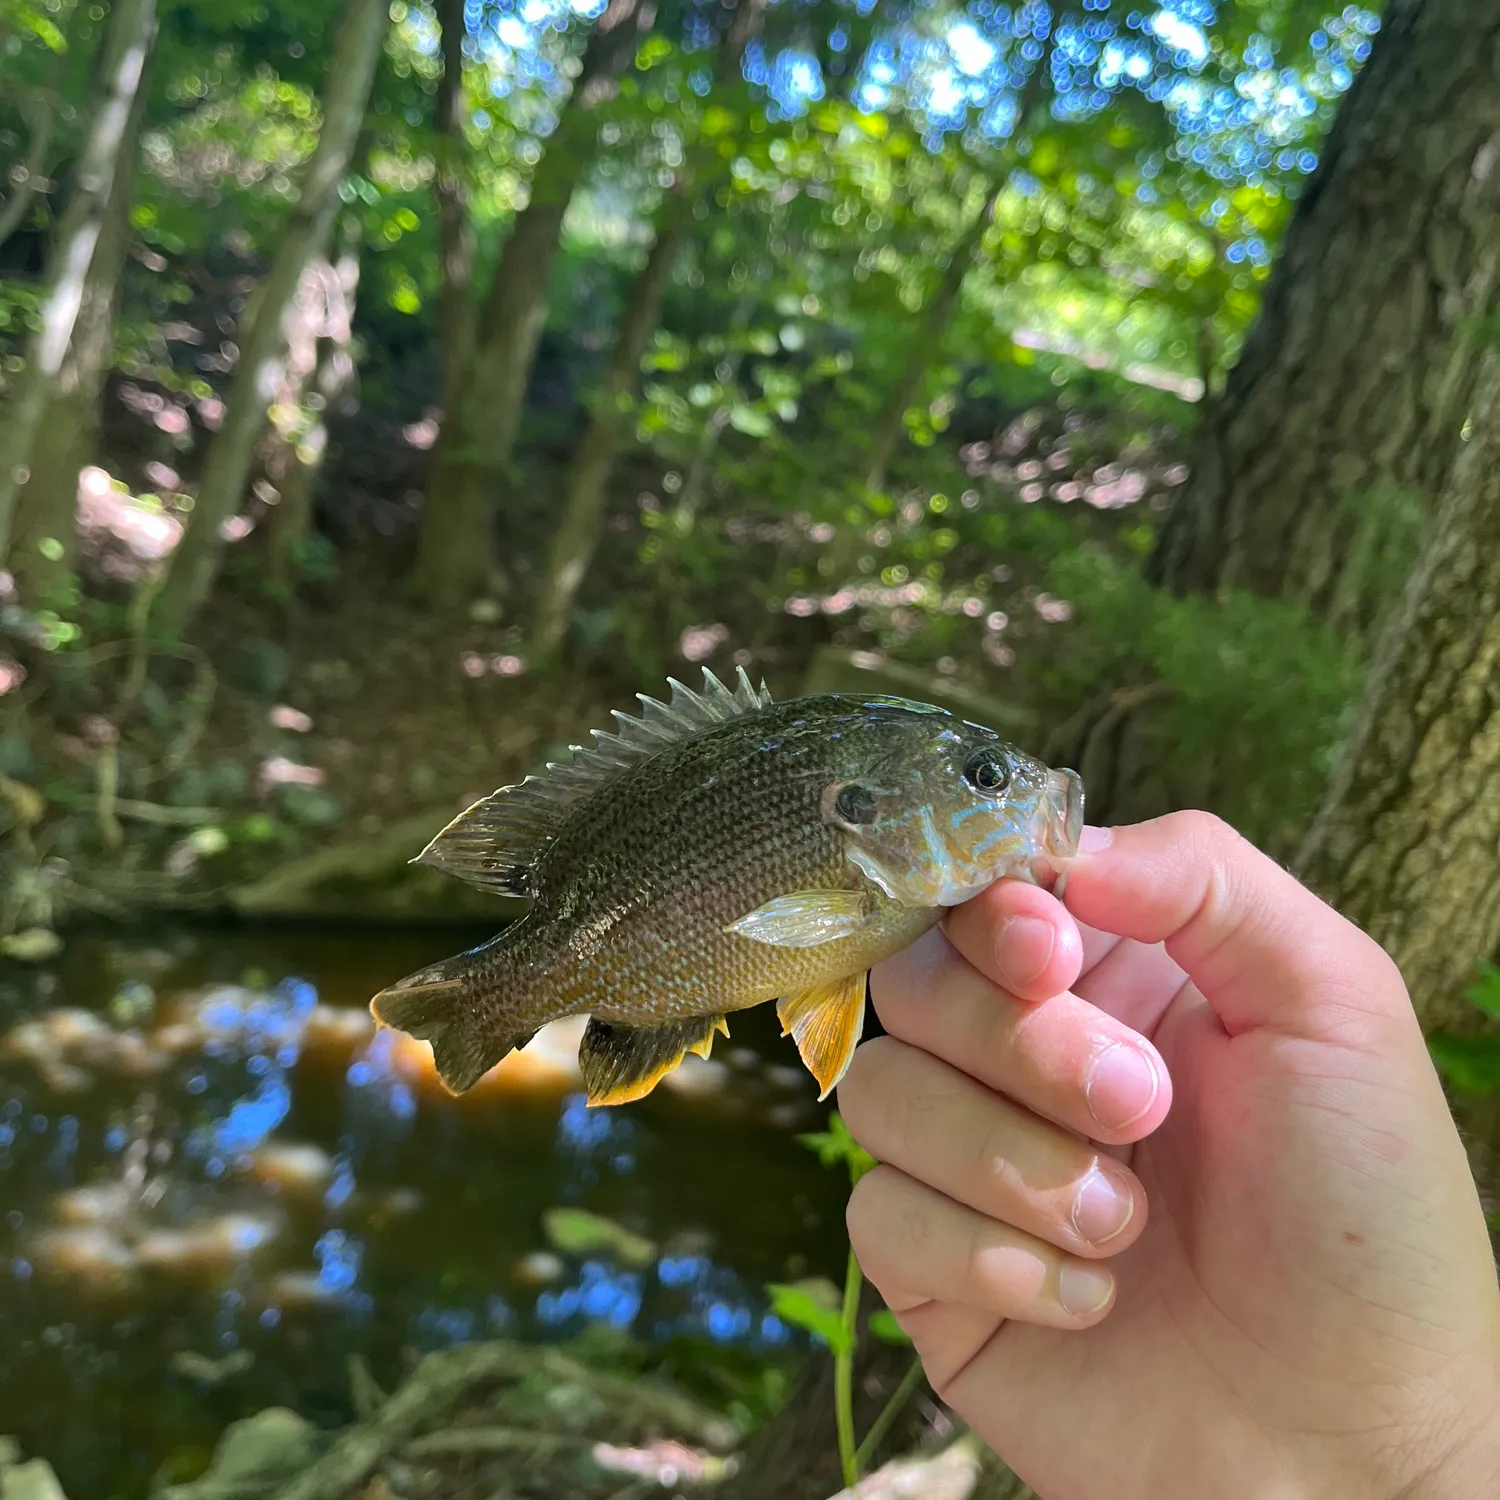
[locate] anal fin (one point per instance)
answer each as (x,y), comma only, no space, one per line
(825,1022)
(623,1063)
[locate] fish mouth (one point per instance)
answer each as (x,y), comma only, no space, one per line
(1063,814)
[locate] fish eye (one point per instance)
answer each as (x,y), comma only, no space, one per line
(855,804)
(987,772)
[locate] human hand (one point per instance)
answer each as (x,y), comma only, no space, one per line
(1310,1307)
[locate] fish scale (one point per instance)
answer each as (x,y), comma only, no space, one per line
(696,863)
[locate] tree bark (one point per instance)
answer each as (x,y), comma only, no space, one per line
(39,108)
(454,555)
(128,46)
(320,375)
(1407,843)
(1317,467)
(45,535)
(586,484)
(455,230)
(196,562)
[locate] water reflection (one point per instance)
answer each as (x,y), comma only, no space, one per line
(231,1179)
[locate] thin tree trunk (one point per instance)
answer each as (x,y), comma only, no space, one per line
(889,425)
(27,175)
(128,46)
(1407,843)
(324,380)
(469,471)
(455,230)
(1315,469)
(586,485)
(45,535)
(196,562)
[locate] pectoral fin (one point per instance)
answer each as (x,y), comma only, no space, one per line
(803,919)
(624,1063)
(825,1023)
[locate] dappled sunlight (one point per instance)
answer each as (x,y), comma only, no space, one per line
(112,518)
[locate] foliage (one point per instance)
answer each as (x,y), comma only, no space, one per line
(1471,1063)
(1136,215)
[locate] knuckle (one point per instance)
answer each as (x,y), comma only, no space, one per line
(868,1212)
(1208,833)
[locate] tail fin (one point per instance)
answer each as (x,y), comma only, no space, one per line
(440,1005)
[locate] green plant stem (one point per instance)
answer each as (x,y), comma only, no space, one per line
(843,1374)
(888,1414)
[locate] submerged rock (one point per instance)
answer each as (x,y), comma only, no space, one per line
(30,1481)
(271,1445)
(574,1231)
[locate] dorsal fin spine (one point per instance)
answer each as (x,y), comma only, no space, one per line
(497,842)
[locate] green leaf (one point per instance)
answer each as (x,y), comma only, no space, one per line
(835,1145)
(1485,991)
(1470,1063)
(804,1305)
(884,1326)
(751,422)
(717,120)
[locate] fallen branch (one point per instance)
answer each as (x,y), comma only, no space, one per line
(645,1401)
(437,1384)
(476,1440)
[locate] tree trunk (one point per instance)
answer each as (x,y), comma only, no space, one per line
(128,46)
(1406,842)
(1315,469)
(455,231)
(45,535)
(196,562)
(927,340)
(323,367)
(39,108)
(586,484)
(479,430)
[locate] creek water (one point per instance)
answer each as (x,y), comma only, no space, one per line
(218,1183)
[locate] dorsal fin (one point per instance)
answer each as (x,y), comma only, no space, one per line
(496,843)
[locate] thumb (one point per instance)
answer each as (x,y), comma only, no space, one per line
(1263,949)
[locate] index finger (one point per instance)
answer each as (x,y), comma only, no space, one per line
(1261,947)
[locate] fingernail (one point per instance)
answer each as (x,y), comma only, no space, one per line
(1024,949)
(1102,1207)
(1084,1289)
(1121,1085)
(1092,840)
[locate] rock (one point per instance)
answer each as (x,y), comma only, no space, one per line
(539,1268)
(836,670)
(575,1231)
(271,1445)
(208,1371)
(10,1452)
(30,1481)
(32,945)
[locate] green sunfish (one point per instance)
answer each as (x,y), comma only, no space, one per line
(717,852)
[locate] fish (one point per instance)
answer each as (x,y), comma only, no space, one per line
(719,851)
